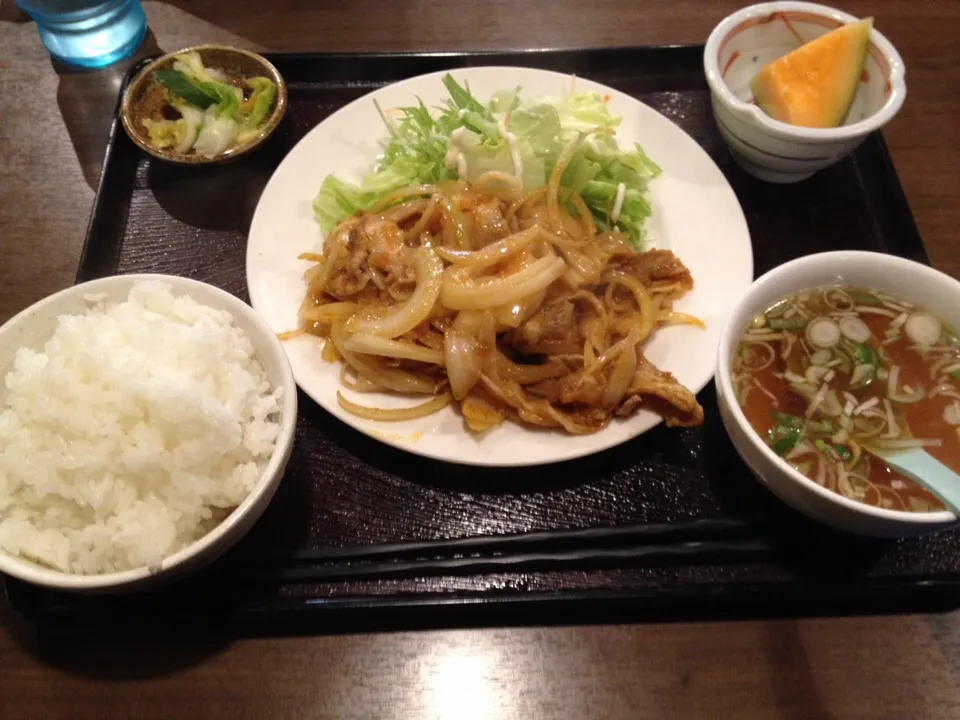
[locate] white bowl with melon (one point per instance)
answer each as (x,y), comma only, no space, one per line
(797,86)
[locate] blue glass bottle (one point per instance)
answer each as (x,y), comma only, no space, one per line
(89,33)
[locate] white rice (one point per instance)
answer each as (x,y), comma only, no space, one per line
(134,432)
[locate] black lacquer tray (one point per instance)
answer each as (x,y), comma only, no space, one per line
(670,525)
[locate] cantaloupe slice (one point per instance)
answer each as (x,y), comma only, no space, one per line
(814,85)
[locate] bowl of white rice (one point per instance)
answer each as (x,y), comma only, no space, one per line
(145,424)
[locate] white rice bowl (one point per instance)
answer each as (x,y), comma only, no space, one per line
(132,431)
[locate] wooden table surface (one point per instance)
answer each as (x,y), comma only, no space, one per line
(53,127)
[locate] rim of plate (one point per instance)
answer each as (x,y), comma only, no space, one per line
(382,432)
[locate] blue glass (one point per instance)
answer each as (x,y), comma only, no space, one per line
(89,33)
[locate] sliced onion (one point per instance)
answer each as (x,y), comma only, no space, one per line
(762,337)
(788,342)
(866,405)
(461,293)
(375,345)
(923,328)
(893,379)
(517,313)
(766,392)
(838,293)
(461,354)
(946,389)
(951,414)
(815,373)
(845,484)
(817,399)
(403,193)
(373,370)
(352,381)
(943,362)
(863,429)
(586,267)
(860,373)
(394,414)
(454,224)
(801,448)
(823,332)
(319,275)
(496,252)
(429,269)
(529,374)
(821,357)
(893,430)
(644,301)
(950,369)
(679,318)
(770,353)
(912,396)
(327,314)
(624,369)
(831,404)
(855,329)
(875,311)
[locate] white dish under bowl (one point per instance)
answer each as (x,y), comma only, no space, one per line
(746,41)
(916,283)
(35,325)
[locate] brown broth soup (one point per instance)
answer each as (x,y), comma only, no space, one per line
(827,374)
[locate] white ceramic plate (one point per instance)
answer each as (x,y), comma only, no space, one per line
(695,214)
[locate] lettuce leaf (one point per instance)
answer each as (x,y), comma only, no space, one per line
(429,145)
(339,199)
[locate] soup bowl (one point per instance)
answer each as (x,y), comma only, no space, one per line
(913,282)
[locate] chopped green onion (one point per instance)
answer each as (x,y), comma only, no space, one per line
(822,332)
(786,420)
(794,323)
(862,298)
(778,309)
(820,428)
(950,335)
(843,452)
(785,440)
(861,354)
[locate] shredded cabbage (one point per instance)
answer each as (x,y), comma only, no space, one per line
(165,133)
(214,113)
(216,134)
(427,146)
